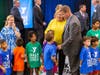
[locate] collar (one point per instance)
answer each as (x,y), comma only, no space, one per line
(37,5)
(82,13)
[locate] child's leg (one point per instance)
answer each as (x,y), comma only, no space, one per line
(49,72)
(20,73)
(37,71)
(31,71)
(99,72)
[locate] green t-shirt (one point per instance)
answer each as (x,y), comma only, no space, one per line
(33,51)
(94,33)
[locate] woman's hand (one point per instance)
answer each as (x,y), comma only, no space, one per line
(17,33)
(14,26)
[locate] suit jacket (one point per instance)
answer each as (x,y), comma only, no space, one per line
(38,18)
(96,14)
(18,20)
(72,36)
(83,20)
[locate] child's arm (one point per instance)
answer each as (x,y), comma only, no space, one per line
(3,69)
(23,54)
(80,63)
(54,59)
(42,59)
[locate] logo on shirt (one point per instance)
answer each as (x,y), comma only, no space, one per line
(34,49)
(96,35)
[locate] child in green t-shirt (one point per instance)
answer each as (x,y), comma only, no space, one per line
(33,51)
(95,31)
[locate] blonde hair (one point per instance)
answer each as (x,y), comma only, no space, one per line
(56,12)
(7,19)
(59,6)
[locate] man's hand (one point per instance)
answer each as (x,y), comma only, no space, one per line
(59,47)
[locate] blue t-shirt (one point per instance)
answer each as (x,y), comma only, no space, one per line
(85,57)
(6,60)
(49,51)
(95,53)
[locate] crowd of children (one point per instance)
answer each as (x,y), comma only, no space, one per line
(90,56)
(90,52)
(13,62)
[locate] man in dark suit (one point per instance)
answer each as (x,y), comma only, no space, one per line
(71,40)
(83,18)
(17,16)
(38,20)
(96,10)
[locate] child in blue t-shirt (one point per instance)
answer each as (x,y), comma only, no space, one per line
(85,57)
(49,54)
(6,57)
(95,55)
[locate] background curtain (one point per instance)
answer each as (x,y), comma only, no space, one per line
(5,6)
(48,6)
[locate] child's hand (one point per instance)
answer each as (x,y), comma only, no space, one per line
(41,67)
(23,56)
(56,63)
(4,70)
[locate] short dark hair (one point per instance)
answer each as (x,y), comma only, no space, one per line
(81,6)
(86,38)
(49,36)
(94,39)
(19,42)
(94,21)
(30,34)
(2,41)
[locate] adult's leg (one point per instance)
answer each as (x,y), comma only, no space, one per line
(40,36)
(74,64)
(61,61)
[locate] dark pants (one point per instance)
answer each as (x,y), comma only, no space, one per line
(74,64)
(40,35)
(26,70)
(49,72)
(61,61)
(13,73)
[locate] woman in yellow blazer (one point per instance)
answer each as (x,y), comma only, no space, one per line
(57,25)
